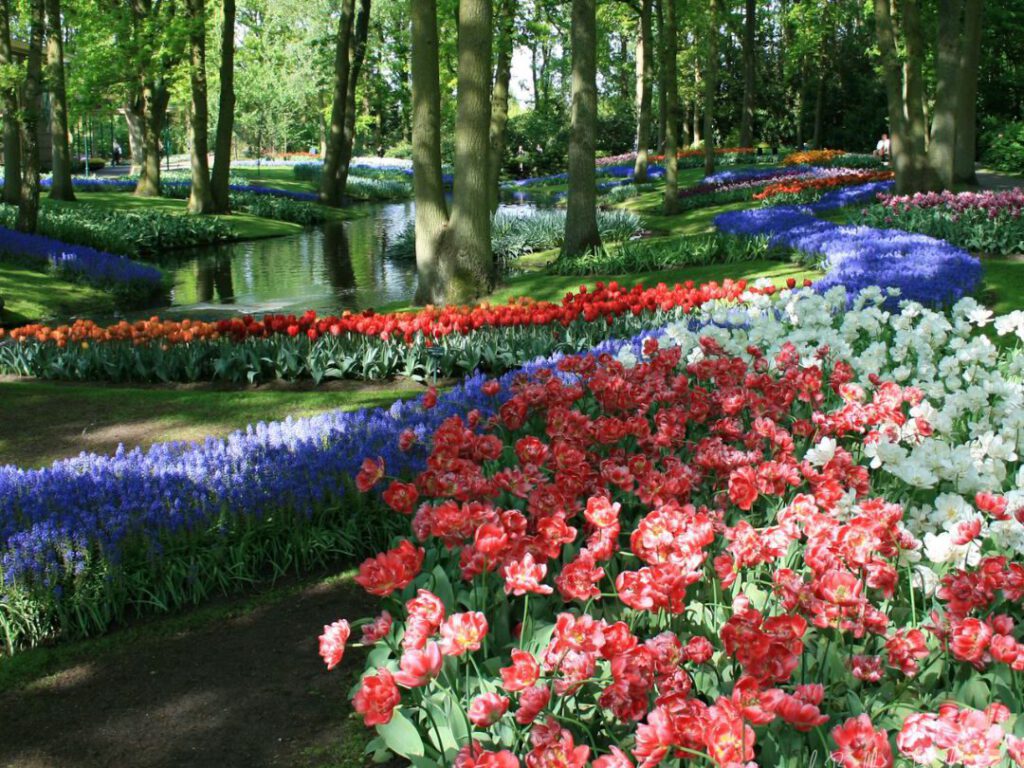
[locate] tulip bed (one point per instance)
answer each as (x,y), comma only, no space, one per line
(807,189)
(793,535)
(985,222)
(453,341)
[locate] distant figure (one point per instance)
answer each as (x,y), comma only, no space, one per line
(521,157)
(882,147)
(116,154)
(380,151)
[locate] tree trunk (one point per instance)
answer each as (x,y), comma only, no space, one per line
(967,100)
(133,120)
(749,74)
(465,257)
(924,177)
(687,136)
(581,233)
(61,188)
(431,209)
(28,205)
(154,106)
(200,200)
(644,89)
(819,111)
(662,119)
(710,88)
(331,192)
(891,72)
(669,59)
(220,180)
(357,53)
(499,99)
(12,133)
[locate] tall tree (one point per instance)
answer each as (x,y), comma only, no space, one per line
(581,233)
(219,181)
(711,89)
(499,96)
(28,205)
(200,199)
(428,185)
(465,256)
(956,77)
(331,192)
(905,93)
(12,129)
(357,54)
(967,97)
(158,46)
(644,89)
(749,74)
(61,187)
(669,63)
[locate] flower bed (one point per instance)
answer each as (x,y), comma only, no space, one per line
(803,189)
(749,544)
(985,222)
(915,267)
(432,342)
(132,284)
(813,157)
(94,540)
(692,158)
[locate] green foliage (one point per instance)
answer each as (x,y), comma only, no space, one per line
(975,229)
(130,233)
(543,137)
(515,234)
(1004,149)
(652,255)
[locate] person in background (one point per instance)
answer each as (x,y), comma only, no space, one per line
(882,147)
(115,155)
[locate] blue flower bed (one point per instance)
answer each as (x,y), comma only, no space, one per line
(115,535)
(80,262)
(922,268)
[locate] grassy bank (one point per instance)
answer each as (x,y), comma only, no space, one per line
(30,295)
(47,421)
(245,227)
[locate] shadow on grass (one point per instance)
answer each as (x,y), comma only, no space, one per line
(238,684)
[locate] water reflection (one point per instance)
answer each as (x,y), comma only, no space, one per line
(329,268)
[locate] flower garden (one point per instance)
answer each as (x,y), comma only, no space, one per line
(729,523)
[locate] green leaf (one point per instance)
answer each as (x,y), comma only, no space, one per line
(401,736)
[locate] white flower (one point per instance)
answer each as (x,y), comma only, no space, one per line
(1011,323)
(822,453)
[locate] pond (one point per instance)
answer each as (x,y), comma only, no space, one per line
(328,268)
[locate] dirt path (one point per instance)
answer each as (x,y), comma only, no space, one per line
(998,182)
(247,690)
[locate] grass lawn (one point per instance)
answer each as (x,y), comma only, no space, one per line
(239,679)
(277,176)
(45,421)
(246,227)
(30,295)
(1003,285)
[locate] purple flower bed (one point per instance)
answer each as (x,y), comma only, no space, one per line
(924,269)
(1005,203)
(80,261)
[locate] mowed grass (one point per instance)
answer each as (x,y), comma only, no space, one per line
(45,421)
(277,177)
(31,295)
(245,227)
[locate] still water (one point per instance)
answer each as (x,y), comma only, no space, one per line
(327,268)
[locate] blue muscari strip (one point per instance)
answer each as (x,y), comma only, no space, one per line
(91,265)
(922,268)
(49,517)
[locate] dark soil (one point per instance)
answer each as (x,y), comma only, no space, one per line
(247,690)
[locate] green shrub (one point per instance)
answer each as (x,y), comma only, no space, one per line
(515,234)
(652,255)
(278,208)
(129,233)
(1005,148)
